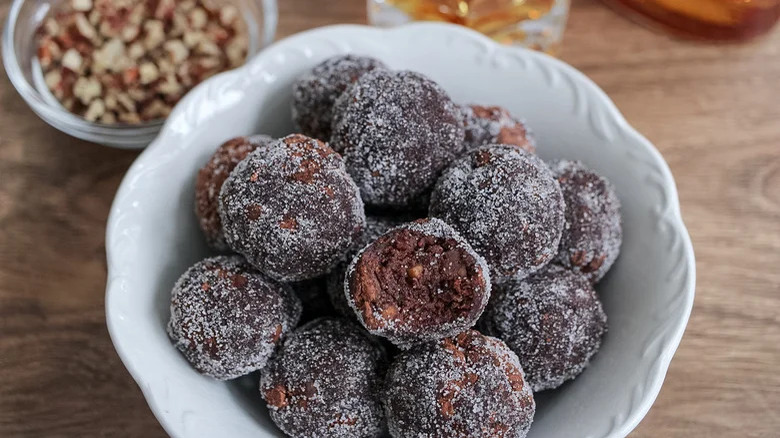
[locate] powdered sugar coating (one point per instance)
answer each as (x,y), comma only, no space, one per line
(468,386)
(291,209)
(375,227)
(507,204)
(406,329)
(209,182)
(487,125)
(325,381)
(397,131)
(593,232)
(315,92)
(227,318)
(553,320)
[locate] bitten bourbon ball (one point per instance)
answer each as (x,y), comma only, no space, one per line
(209,182)
(553,320)
(506,203)
(397,131)
(375,227)
(418,282)
(315,92)
(227,318)
(593,232)
(325,381)
(486,125)
(467,386)
(291,209)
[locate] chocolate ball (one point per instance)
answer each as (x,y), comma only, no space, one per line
(315,92)
(325,381)
(593,232)
(375,227)
(553,320)
(418,282)
(466,386)
(486,125)
(291,209)
(209,182)
(227,318)
(397,131)
(507,204)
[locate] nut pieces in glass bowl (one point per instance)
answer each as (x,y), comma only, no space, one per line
(125,61)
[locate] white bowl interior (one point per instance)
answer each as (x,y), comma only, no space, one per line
(153,236)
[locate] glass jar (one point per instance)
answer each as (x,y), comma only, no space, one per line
(537,24)
(714,20)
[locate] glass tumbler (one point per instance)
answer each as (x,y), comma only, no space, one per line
(536,24)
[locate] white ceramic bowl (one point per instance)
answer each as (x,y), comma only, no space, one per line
(153,237)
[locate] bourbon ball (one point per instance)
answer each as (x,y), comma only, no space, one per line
(553,320)
(315,92)
(227,318)
(397,131)
(467,386)
(325,381)
(291,209)
(593,231)
(375,227)
(209,182)
(506,203)
(486,125)
(418,282)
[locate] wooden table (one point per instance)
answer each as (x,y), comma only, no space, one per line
(713,111)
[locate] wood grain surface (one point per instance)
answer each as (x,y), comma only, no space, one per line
(713,111)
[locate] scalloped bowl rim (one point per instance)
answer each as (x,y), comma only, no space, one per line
(619,430)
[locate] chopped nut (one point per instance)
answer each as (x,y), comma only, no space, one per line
(48,51)
(111,102)
(191,39)
(148,72)
(170,86)
(110,57)
(130,76)
(95,110)
(206,47)
(155,34)
(186,5)
(198,18)
(228,15)
(51,27)
(72,60)
(108,118)
(87,89)
(177,51)
(156,109)
(81,5)
(236,51)
(126,102)
(137,94)
(136,50)
(53,79)
(130,118)
(94,17)
(130,32)
(84,27)
(165,66)
(164,9)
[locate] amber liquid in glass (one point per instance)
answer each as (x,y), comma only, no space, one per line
(497,19)
(715,20)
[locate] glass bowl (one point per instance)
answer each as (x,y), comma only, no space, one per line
(21,64)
